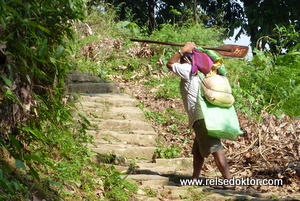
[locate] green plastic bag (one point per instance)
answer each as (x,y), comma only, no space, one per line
(220,122)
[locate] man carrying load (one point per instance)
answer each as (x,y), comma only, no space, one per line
(204,144)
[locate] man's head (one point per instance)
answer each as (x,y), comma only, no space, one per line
(185,59)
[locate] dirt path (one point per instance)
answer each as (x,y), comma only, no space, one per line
(123,136)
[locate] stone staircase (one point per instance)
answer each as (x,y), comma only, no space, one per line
(116,129)
(117,124)
(123,136)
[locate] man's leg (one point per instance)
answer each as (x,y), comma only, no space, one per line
(222,164)
(198,161)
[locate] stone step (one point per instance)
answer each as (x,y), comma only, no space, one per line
(129,113)
(153,192)
(94,87)
(90,105)
(182,166)
(79,77)
(105,112)
(126,150)
(114,99)
(91,110)
(162,170)
(143,132)
(178,163)
(121,125)
(126,138)
(146,180)
(132,132)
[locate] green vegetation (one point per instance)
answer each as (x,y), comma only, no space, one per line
(173,151)
(165,151)
(254,18)
(43,148)
(43,142)
(270,81)
(150,192)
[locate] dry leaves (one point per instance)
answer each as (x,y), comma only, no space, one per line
(97,50)
(268,149)
(140,50)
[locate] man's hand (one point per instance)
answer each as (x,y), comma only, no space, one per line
(188,48)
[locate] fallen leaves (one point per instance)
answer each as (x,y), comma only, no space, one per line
(100,49)
(140,51)
(268,149)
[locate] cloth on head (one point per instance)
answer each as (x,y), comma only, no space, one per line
(203,59)
(201,62)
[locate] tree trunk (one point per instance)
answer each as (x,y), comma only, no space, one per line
(195,11)
(152,23)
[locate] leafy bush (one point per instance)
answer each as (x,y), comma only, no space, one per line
(10,188)
(269,82)
(38,129)
(197,33)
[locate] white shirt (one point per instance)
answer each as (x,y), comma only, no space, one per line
(189,88)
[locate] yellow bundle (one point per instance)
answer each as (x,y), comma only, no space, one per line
(216,87)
